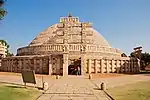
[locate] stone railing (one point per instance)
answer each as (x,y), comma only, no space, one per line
(98,48)
(111,65)
(19,63)
(41,49)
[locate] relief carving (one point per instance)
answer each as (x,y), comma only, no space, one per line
(83,48)
(65,48)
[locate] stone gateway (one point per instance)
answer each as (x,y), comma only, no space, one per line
(69,47)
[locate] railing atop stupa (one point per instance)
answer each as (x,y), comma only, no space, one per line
(33,50)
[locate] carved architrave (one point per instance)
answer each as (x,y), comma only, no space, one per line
(65,48)
(83,48)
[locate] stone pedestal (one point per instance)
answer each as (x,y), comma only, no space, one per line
(90,76)
(45,86)
(103,86)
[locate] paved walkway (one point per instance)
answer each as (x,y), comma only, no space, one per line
(69,88)
(76,87)
(73,88)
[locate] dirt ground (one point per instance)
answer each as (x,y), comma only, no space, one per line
(19,74)
(106,75)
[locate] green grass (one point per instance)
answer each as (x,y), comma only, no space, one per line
(11,92)
(136,91)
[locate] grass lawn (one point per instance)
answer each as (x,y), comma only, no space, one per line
(11,92)
(136,91)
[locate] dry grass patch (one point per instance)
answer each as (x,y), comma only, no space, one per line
(136,91)
(15,92)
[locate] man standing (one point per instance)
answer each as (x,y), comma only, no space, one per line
(78,70)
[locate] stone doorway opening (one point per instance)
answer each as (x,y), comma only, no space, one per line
(74,67)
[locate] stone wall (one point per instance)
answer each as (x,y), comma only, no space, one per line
(52,64)
(111,65)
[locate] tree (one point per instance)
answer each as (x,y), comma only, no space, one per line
(3,12)
(145,59)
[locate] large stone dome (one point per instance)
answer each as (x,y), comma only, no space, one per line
(54,35)
(69,35)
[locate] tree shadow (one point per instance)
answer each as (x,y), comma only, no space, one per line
(97,89)
(12,86)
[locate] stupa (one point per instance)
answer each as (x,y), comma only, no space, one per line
(67,47)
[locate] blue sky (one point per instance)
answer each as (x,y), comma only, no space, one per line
(124,23)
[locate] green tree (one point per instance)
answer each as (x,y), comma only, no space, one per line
(3,12)
(145,59)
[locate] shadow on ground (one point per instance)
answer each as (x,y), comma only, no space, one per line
(11,86)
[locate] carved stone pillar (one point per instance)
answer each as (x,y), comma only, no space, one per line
(122,66)
(118,66)
(138,66)
(112,66)
(129,68)
(34,64)
(102,65)
(65,64)
(89,66)
(41,71)
(83,64)
(135,65)
(107,66)
(95,64)
(125,66)
(50,66)
(20,65)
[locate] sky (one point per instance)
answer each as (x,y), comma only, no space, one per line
(125,24)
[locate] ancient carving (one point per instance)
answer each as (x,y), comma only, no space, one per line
(65,48)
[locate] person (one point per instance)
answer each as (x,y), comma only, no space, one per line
(75,71)
(78,70)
